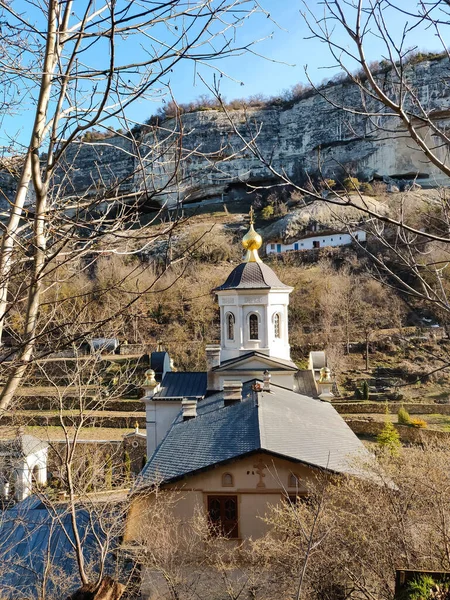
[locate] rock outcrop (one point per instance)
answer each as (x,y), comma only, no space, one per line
(298,138)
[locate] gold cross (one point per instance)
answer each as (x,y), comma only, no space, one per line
(251,213)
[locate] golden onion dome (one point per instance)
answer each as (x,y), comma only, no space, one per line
(252,242)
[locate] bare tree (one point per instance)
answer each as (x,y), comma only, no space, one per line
(74,92)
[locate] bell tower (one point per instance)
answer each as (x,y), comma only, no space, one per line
(253,306)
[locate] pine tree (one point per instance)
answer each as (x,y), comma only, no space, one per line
(365,390)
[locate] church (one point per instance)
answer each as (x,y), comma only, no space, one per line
(251,430)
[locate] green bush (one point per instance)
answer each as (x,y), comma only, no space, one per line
(403,416)
(351,184)
(389,438)
(420,588)
(365,391)
(267,212)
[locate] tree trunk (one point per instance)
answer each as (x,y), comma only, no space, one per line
(367,350)
(9,238)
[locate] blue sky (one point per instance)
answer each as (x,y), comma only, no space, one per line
(287,51)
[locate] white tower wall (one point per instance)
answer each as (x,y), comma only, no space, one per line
(265,304)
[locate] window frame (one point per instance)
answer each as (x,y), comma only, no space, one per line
(230,475)
(277,325)
(251,319)
(228,318)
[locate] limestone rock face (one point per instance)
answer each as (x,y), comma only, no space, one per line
(302,137)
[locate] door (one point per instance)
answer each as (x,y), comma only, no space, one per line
(223,514)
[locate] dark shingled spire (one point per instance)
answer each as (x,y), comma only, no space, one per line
(251,276)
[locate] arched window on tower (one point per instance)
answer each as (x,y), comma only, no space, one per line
(277,325)
(253,327)
(230,326)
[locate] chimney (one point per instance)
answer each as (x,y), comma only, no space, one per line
(266,381)
(189,409)
(232,392)
(212,360)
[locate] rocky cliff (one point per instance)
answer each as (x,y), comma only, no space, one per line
(210,160)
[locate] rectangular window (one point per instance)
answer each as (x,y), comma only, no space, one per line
(272,246)
(223,514)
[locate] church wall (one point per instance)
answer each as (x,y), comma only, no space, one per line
(249,475)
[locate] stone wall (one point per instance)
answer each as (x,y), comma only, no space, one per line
(358,408)
(407,434)
(214,161)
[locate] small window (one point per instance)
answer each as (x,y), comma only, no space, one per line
(227,480)
(253,326)
(230,326)
(331,239)
(301,244)
(294,481)
(272,246)
(277,325)
(223,514)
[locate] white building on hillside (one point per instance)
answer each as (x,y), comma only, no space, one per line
(318,239)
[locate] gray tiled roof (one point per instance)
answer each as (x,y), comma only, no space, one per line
(281,422)
(182,385)
(251,275)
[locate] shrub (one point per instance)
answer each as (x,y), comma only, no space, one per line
(366,188)
(365,391)
(351,184)
(267,212)
(329,183)
(280,209)
(389,438)
(419,423)
(379,188)
(403,416)
(420,588)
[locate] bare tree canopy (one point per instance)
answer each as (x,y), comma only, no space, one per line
(82,65)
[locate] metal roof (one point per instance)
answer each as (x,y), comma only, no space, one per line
(281,422)
(159,362)
(281,363)
(252,275)
(306,383)
(182,385)
(23,445)
(32,538)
